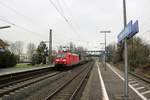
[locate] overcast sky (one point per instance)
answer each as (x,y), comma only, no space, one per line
(34,18)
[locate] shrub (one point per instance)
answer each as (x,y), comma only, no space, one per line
(7,59)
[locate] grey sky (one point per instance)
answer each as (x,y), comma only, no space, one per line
(87,17)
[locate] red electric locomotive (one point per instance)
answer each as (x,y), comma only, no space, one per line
(66,59)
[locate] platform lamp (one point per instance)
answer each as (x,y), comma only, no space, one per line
(105,48)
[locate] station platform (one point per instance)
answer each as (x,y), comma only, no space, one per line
(106,85)
(5,71)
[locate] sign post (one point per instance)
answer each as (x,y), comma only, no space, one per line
(128,32)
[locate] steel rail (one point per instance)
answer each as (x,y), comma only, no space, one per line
(140,77)
(65,84)
(80,85)
(22,80)
(32,81)
(12,78)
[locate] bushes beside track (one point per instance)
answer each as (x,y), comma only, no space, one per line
(7,59)
(138,55)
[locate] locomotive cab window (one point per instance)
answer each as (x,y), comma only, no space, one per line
(61,56)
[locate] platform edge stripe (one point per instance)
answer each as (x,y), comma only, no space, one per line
(140,88)
(131,82)
(105,95)
(146,92)
(142,97)
(135,84)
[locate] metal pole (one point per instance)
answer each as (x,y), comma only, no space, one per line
(125,55)
(50,47)
(5,27)
(105,52)
(126,71)
(105,48)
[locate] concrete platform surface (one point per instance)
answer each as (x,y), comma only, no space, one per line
(93,89)
(5,71)
(115,85)
(105,85)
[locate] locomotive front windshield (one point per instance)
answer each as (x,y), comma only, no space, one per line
(61,55)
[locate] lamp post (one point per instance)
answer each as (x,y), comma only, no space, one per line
(3,27)
(105,47)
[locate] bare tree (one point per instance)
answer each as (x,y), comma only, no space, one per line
(30,49)
(72,47)
(13,48)
(17,47)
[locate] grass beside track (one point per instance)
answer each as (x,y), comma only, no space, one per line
(138,71)
(27,65)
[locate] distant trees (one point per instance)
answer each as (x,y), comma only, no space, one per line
(72,47)
(138,52)
(30,50)
(81,50)
(17,47)
(7,59)
(112,48)
(41,54)
(116,52)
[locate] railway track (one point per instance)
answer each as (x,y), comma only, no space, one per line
(5,92)
(10,83)
(13,78)
(40,87)
(70,90)
(140,85)
(140,77)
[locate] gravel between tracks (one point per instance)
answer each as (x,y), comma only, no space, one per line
(39,90)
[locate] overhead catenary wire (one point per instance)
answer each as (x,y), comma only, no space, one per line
(65,18)
(71,18)
(69,12)
(62,12)
(14,10)
(20,27)
(62,15)
(61,8)
(18,13)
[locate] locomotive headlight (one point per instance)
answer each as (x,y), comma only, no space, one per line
(64,60)
(57,59)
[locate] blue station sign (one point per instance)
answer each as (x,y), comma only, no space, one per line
(129,31)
